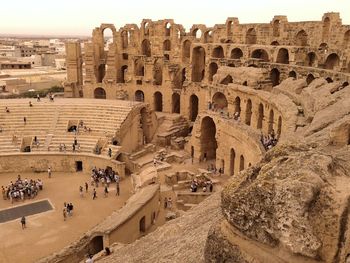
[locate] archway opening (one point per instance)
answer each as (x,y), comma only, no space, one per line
(283,56)
(125,39)
(251,37)
(198,64)
(301,38)
(326,28)
(232,161)
(167,45)
(139,96)
(96,245)
(241,163)
(236,53)
(329,80)
(99,93)
(220,101)
(275,43)
(158,101)
(186,51)
(197,33)
(346,41)
(101,73)
(107,38)
(213,69)
(237,105)
(218,52)
(292,74)
(175,103)
(157,74)
(146,48)
(167,29)
(139,68)
(207,139)
(260,54)
(279,126)
(276,28)
(227,80)
(260,116)
(275,77)
(142,225)
(311,59)
(309,79)
(193,107)
(123,71)
(144,125)
(332,61)
(248,112)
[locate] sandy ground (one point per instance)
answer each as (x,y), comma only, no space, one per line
(47,232)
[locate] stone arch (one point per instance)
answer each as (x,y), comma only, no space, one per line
(198,64)
(332,61)
(310,78)
(292,74)
(167,45)
(271,121)
(283,56)
(175,99)
(275,77)
(260,116)
(260,54)
(146,48)
(311,59)
(279,126)
(346,41)
(251,37)
(208,36)
(99,93)
(227,80)
(236,53)
(96,245)
(276,28)
(167,29)
(158,101)
(123,71)
(207,139)
(139,96)
(326,28)
(232,161)
(157,74)
(241,163)
(275,43)
(218,52)
(237,105)
(145,28)
(213,68)
(197,33)
(248,112)
(220,101)
(108,36)
(194,104)
(301,38)
(186,50)
(124,39)
(139,68)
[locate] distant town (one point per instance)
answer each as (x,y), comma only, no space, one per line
(32,63)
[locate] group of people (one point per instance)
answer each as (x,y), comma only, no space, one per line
(104,177)
(21,189)
(212,168)
(206,185)
(269,141)
(67,210)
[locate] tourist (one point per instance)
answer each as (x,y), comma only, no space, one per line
(165,203)
(64,214)
(7,110)
(68,209)
(106,191)
(23,222)
(37,97)
(94,194)
(49,171)
(30,104)
(107,251)
(70,205)
(110,152)
(86,187)
(169,203)
(25,120)
(81,192)
(89,259)
(117,189)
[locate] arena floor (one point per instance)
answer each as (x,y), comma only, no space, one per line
(47,232)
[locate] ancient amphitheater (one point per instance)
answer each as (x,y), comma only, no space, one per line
(163,105)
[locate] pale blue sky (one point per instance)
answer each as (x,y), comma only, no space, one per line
(79,17)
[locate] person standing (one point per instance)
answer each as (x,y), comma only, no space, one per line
(81,191)
(94,194)
(23,222)
(86,187)
(49,171)
(106,191)
(117,189)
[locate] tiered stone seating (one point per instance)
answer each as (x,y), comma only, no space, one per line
(49,122)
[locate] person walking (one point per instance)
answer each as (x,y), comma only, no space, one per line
(94,194)
(106,191)
(23,222)
(117,189)
(86,187)
(49,171)
(81,191)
